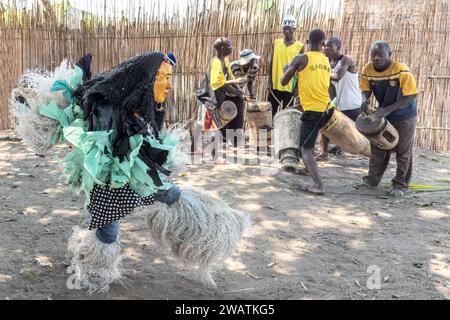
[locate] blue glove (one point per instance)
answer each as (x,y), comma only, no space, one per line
(168,196)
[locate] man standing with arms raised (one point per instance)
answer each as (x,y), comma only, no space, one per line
(314,71)
(283,51)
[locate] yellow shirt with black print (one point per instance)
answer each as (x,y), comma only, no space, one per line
(314,82)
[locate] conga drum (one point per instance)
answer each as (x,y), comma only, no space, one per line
(341,130)
(287,137)
(378,130)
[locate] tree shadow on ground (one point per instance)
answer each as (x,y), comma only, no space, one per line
(300,247)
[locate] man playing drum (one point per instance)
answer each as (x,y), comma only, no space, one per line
(394,87)
(218,86)
(247,66)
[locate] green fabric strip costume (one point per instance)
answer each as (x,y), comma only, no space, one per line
(92,164)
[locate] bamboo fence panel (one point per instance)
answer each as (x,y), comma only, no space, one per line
(419,33)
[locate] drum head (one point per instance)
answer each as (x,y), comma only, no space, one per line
(288,112)
(258,106)
(370,125)
(228,111)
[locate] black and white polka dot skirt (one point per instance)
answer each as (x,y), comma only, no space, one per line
(108,205)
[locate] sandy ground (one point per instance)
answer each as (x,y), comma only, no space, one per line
(348,244)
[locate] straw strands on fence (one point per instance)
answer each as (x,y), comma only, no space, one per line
(44,33)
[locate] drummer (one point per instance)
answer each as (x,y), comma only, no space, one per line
(247,66)
(218,85)
(394,87)
(224,84)
(314,72)
(344,87)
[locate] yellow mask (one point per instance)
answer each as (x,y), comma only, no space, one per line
(163,82)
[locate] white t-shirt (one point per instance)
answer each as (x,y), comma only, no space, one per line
(348,95)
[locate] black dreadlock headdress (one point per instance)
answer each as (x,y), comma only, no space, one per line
(128,85)
(128,88)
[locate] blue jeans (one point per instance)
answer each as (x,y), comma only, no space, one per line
(109,233)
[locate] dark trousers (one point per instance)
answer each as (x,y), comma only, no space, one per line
(283,96)
(379,158)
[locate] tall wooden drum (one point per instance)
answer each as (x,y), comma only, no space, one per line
(341,130)
(287,137)
(259,120)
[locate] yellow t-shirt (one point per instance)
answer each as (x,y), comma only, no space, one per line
(283,55)
(314,81)
(216,74)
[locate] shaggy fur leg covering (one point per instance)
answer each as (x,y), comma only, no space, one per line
(200,229)
(96,264)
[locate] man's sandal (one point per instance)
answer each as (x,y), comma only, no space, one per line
(396,193)
(321,157)
(311,190)
(363,185)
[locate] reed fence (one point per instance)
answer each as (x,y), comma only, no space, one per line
(45,32)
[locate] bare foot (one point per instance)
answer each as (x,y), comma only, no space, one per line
(322,157)
(220,161)
(314,190)
(197,152)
